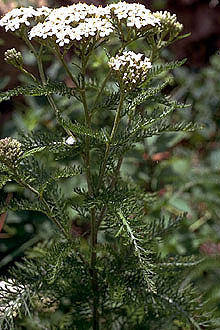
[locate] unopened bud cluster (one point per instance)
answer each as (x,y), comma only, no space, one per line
(169,22)
(10,151)
(131,68)
(12,56)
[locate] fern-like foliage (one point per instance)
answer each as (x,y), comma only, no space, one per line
(160,68)
(39,90)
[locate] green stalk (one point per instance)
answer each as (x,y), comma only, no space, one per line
(44,202)
(108,145)
(88,123)
(61,58)
(87,160)
(117,169)
(44,82)
(101,89)
(113,183)
(29,74)
(42,76)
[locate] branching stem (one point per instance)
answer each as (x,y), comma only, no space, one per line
(44,202)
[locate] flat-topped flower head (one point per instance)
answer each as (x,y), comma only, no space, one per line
(131,68)
(10,151)
(18,17)
(73,23)
(133,15)
(80,21)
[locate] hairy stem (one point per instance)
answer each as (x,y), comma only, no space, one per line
(38,56)
(94,273)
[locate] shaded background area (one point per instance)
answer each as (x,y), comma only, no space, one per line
(184,169)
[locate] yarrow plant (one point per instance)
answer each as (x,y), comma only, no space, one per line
(102,270)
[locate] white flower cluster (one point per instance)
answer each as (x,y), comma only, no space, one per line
(11,310)
(81,21)
(131,68)
(74,22)
(22,16)
(78,21)
(134,14)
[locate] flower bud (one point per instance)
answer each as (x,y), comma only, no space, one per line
(71,140)
(169,22)
(10,151)
(12,56)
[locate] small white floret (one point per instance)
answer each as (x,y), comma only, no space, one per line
(70,140)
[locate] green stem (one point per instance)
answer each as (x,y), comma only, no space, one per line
(88,124)
(61,58)
(87,160)
(38,56)
(101,89)
(28,74)
(94,273)
(112,136)
(112,186)
(44,202)
(49,97)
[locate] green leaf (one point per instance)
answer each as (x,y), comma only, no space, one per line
(22,204)
(158,69)
(32,151)
(81,130)
(186,35)
(164,126)
(38,90)
(144,95)
(68,172)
